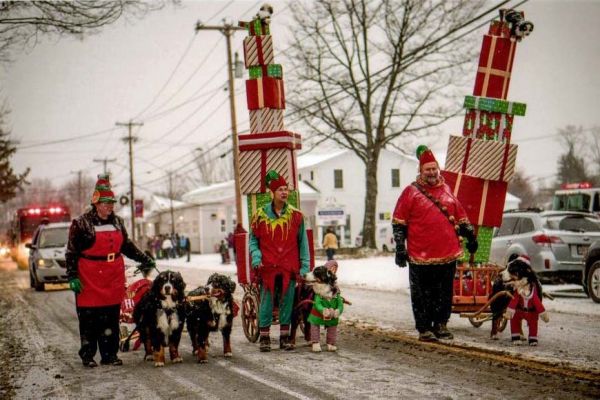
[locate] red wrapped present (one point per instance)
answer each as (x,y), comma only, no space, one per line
(265,92)
(266,120)
(482,199)
(261,152)
(258,50)
(243,261)
(495,66)
(484,159)
(480,124)
(499,28)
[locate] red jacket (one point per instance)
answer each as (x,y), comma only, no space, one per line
(431,237)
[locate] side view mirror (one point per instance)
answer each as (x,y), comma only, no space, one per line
(29,245)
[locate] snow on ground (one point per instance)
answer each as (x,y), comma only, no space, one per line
(381,273)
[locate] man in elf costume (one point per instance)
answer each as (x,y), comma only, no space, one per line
(430,219)
(279,251)
(97,242)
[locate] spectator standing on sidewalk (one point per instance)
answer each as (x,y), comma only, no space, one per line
(431,220)
(167,247)
(330,243)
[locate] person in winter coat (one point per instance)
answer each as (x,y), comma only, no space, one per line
(167,247)
(330,243)
(96,271)
(279,252)
(431,220)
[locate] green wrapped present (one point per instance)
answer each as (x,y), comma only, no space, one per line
(260,71)
(259,200)
(495,105)
(257,28)
(484,245)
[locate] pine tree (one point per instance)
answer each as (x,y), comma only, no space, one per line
(10,182)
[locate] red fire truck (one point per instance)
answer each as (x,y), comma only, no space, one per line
(24,224)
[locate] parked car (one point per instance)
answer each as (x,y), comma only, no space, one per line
(591,272)
(555,241)
(47,255)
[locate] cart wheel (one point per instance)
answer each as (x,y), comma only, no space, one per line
(250,316)
(502,325)
(475,322)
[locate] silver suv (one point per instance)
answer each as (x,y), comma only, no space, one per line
(47,255)
(555,241)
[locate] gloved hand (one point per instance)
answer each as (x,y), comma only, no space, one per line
(401,256)
(472,246)
(75,285)
(400,233)
(146,267)
(466,231)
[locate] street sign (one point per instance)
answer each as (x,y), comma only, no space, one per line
(139,208)
(331,216)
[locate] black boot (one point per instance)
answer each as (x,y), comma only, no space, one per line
(285,343)
(441,332)
(264,343)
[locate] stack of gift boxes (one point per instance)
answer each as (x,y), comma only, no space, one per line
(268,146)
(481,162)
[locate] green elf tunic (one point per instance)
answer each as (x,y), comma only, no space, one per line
(319,304)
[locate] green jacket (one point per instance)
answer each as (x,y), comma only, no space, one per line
(320,303)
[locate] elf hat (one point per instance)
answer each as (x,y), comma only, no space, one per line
(103,192)
(274,180)
(425,155)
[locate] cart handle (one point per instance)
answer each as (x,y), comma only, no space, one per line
(483,308)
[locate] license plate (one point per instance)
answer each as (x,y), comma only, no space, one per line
(582,249)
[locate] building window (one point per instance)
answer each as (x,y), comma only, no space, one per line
(299,177)
(395,177)
(312,176)
(338,179)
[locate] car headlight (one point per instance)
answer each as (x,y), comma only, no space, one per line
(45,262)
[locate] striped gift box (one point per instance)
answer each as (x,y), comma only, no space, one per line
(483,159)
(261,152)
(258,50)
(266,120)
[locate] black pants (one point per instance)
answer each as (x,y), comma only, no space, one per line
(431,293)
(330,253)
(99,328)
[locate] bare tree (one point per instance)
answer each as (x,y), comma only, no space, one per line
(520,185)
(10,182)
(370,73)
(572,164)
(22,23)
(78,193)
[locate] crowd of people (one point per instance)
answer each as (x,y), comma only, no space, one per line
(165,246)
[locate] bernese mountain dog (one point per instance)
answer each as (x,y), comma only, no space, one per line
(159,316)
(211,308)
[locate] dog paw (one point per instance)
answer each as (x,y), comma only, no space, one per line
(203,361)
(316,348)
(516,342)
(159,364)
(494,337)
(177,360)
(228,355)
(148,357)
(331,347)
(533,343)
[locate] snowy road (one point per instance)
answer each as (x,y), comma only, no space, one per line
(39,342)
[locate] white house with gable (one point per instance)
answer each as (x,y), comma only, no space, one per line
(339,177)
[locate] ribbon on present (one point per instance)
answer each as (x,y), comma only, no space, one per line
(258,50)
(482,199)
(265,93)
(483,159)
(495,66)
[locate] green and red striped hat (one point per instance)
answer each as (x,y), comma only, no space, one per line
(103,192)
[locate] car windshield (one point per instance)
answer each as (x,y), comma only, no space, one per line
(573,223)
(53,237)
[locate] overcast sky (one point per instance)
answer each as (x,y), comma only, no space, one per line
(159,71)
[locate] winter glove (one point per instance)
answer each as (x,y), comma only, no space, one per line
(400,232)
(146,267)
(466,231)
(75,285)
(545,317)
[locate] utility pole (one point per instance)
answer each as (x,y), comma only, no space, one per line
(105,161)
(130,139)
(79,191)
(171,202)
(228,29)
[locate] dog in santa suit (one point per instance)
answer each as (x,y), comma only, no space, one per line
(527,299)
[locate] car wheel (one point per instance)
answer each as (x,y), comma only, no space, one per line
(39,286)
(593,282)
(31,281)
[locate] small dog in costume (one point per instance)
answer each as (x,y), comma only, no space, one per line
(328,305)
(527,299)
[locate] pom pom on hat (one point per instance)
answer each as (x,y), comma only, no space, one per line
(273,180)
(425,155)
(103,192)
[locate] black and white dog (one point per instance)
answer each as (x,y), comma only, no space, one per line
(211,308)
(159,317)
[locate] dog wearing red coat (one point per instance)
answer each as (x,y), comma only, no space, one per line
(526,303)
